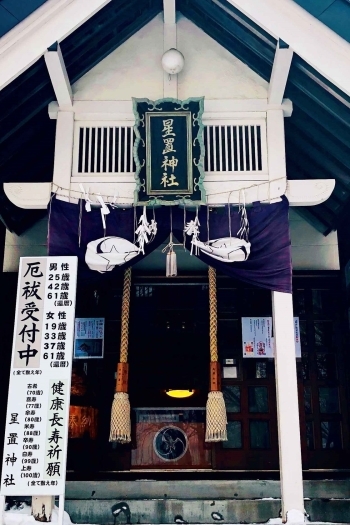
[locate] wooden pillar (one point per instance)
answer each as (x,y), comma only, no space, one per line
(63,149)
(287,409)
(169,41)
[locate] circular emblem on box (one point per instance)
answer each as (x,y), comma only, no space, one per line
(170,443)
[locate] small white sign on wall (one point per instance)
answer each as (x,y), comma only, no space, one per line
(36,430)
(256,337)
(257,340)
(89,337)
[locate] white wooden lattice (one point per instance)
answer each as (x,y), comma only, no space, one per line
(234,149)
(103,148)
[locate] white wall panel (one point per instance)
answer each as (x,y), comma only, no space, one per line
(134,69)
(311,250)
(31,243)
(211,70)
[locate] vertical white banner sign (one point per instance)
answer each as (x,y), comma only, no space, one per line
(297,337)
(36,430)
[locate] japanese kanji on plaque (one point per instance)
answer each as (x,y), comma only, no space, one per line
(169,151)
(36,430)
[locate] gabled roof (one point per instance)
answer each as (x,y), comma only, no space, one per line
(333,13)
(12,12)
(317,134)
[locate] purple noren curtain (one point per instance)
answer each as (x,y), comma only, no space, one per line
(268,266)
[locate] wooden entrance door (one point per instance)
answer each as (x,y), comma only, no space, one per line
(169,349)
(169,343)
(251,396)
(323,376)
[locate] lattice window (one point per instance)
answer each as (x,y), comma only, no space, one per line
(103,149)
(235,148)
(106,148)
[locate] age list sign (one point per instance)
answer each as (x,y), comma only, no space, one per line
(36,430)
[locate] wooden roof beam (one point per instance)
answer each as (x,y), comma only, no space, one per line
(36,195)
(280,72)
(59,77)
(169,42)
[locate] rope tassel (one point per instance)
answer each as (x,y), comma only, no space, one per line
(216,418)
(120,418)
(120,429)
(215,411)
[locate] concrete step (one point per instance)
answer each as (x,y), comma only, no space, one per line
(201,502)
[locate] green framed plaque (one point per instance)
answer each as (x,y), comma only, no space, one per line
(169,151)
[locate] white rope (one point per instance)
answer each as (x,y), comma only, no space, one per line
(128,198)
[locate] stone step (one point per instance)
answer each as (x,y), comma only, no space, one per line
(143,511)
(202,502)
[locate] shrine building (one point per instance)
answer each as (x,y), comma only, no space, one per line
(193,158)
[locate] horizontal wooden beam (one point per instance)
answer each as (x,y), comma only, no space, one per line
(122,109)
(299,192)
(169,42)
(280,72)
(59,77)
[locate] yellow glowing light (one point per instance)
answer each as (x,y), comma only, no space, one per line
(179,393)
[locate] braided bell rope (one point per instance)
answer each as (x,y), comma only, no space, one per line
(216,417)
(120,429)
(213,317)
(124,335)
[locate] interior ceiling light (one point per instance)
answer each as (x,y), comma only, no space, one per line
(179,393)
(173,61)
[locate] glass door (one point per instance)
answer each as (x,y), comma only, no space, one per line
(323,374)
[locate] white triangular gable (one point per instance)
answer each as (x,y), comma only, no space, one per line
(134,69)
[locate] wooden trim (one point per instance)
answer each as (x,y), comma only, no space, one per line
(122,377)
(59,77)
(213,109)
(169,41)
(28,41)
(215,377)
(30,195)
(312,40)
(279,75)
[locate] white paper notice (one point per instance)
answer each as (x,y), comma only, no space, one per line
(36,430)
(256,336)
(89,337)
